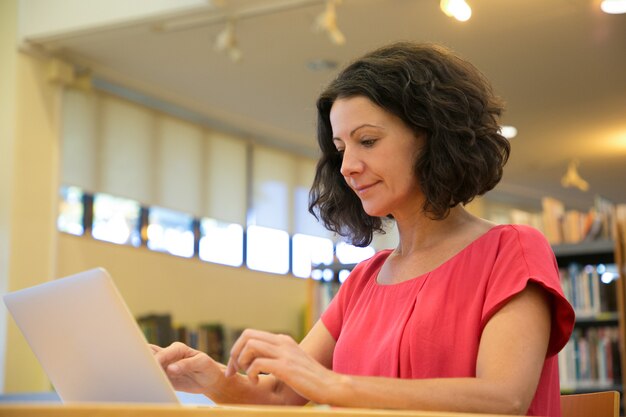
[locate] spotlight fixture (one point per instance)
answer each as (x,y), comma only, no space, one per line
(573,179)
(459,9)
(226,41)
(508,132)
(613,6)
(327,22)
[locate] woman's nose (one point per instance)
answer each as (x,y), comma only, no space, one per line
(351,163)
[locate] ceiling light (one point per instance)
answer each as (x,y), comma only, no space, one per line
(226,41)
(508,132)
(327,21)
(613,6)
(458,9)
(573,179)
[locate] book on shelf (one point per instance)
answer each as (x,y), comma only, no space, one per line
(553,211)
(620,220)
(211,340)
(157,328)
(587,293)
(591,360)
(215,339)
(605,211)
(527,218)
(574,226)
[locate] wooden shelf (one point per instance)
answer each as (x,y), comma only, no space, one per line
(591,387)
(592,247)
(601,318)
(592,252)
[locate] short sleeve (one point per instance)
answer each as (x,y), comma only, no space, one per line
(525,256)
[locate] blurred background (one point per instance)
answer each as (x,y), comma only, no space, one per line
(173,143)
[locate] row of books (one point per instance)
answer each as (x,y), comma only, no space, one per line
(215,339)
(573,226)
(586,290)
(591,359)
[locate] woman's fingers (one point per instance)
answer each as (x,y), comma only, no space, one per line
(173,353)
(189,369)
(256,349)
(254,345)
(154,348)
(249,334)
(189,365)
(233,365)
(261,366)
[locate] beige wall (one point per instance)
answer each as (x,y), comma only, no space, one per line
(191,290)
(8,34)
(30,157)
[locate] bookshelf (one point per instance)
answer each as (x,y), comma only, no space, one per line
(213,338)
(593,359)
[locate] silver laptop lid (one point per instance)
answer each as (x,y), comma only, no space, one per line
(88,342)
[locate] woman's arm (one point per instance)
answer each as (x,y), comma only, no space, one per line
(194,371)
(511,355)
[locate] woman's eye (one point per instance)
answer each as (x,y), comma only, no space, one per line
(368,142)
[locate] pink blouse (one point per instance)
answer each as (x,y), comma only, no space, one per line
(430,326)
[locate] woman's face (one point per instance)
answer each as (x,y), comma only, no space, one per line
(379,152)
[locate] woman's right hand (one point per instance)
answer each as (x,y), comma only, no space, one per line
(188,369)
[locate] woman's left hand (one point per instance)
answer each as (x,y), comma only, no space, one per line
(258,352)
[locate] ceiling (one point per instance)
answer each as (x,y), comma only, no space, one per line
(560,65)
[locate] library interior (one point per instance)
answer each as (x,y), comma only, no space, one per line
(173,143)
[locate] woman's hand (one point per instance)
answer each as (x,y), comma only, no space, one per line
(258,352)
(188,369)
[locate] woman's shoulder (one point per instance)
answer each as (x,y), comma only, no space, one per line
(523,233)
(522,243)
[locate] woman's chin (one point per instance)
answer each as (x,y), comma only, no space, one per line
(375,212)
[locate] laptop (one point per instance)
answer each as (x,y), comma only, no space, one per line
(88,342)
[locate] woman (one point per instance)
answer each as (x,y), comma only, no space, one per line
(463,315)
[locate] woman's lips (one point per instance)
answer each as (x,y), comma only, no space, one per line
(363,188)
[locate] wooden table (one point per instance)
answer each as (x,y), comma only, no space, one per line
(124,410)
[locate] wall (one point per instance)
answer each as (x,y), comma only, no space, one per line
(191,290)
(29,197)
(8,40)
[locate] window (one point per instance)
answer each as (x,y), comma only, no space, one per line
(267,250)
(71,211)
(310,251)
(349,254)
(272,184)
(343,275)
(170,231)
(221,243)
(116,220)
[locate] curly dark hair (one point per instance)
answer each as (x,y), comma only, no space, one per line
(439,96)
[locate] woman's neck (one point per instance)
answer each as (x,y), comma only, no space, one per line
(419,232)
